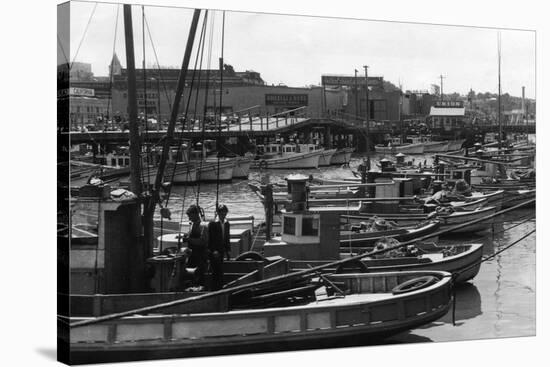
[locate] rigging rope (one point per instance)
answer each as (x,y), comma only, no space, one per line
(83,36)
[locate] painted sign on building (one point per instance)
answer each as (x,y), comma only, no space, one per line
(455,104)
(339,80)
(288,100)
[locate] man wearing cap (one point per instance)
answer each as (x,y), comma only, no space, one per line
(198,243)
(218,245)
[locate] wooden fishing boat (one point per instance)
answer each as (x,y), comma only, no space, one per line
(448,218)
(462,260)
(342,156)
(359,238)
(372,306)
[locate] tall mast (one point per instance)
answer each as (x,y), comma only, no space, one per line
(135,153)
(499,92)
(367,114)
(175,109)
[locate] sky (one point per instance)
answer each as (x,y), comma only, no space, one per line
(297,50)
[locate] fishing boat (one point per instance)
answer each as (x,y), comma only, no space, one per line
(342,156)
(370,306)
(396,146)
(367,234)
(449,217)
(514,197)
(284,156)
(462,260)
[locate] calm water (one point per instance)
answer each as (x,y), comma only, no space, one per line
(499,302)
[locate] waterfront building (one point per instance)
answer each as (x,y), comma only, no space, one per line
(447,116)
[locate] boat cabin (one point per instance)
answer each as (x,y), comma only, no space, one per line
(286,149)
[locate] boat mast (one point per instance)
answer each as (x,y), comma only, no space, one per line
(135,153)
(499,92)
(174,113)
(367,114)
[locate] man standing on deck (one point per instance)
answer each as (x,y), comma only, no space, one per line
(198,244)
(218,246)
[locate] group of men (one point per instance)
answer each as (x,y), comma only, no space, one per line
(208,244)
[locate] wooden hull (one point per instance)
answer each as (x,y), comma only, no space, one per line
(185,173)
(517,197)
(208,171)
(326,157)
(436,147)
(466,263)
(373,314)
(470,205)
(341,156)
(242,167)
(466,216)
(493,198)
(298,160)
(455,144)
(401,234)
(405,149)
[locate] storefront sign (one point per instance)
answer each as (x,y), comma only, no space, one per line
(289,100)
(456,104)
(350,81)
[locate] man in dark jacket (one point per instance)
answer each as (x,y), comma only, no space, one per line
(198,243)
(218,245)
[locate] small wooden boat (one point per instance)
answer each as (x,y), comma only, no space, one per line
(371,306)
(350,238)
(397,146)
(449,217)
(463,260)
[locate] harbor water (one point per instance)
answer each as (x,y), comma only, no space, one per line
(499,302)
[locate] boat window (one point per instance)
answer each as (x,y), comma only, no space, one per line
(310,226)
(127,161)
(113,162)
(289,225)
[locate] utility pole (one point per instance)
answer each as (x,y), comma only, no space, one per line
(356,97)
(441,87)
(367,114)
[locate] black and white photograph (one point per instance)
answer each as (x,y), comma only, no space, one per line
(241,181)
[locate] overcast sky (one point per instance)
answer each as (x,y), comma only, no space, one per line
(297,50)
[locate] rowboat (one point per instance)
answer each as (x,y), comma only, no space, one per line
(371,306)
(514,197)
